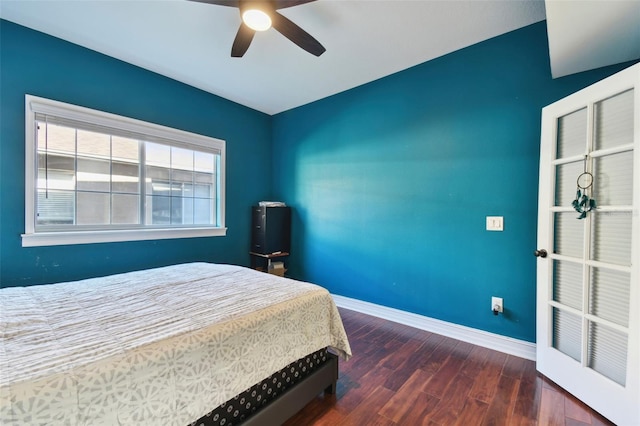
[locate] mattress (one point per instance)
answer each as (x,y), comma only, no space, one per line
(161,346)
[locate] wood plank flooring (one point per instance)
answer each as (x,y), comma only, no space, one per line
(400,375)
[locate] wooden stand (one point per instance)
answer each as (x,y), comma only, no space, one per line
(263,262)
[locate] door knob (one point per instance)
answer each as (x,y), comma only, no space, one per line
(540,253)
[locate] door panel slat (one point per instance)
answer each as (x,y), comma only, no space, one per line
(572,134)
(568,283)
(611,240)
(567,331)
(613,183)
(608,352)
(566,175)
(568,235)
(614,121)
(609,295)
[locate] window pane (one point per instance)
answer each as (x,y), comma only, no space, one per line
(94,174)
(187,190)
(97,144)
(125,209)
(177,210)
(158,155)
(566,184)
(608,352)
(158,210)
(157,181)
(176,189)
(56,138)
(124,177)
(611,237)
(203,191)
(204,162)
(568,235)
(572,134)
(614,179)
(181,158)
(610,293)
(93,208)
(187,210)
(567,333)
(160,188)
(182,176)
(56,172)
(614,121)
(125,149)
(55,207)
(206,178)
(202,211)
(567,283)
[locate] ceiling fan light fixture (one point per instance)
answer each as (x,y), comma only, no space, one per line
(260,15)
(256,19)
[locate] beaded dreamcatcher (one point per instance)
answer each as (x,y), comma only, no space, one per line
(583,204)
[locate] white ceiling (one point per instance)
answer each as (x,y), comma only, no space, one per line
(365,40)
(588,34)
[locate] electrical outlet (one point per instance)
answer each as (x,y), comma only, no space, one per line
(497,305)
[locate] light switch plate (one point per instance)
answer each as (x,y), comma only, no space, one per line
(495,223)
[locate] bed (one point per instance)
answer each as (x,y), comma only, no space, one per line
(165,346)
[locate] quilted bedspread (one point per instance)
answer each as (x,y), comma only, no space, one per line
(156,347)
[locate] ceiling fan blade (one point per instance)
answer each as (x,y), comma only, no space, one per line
(230,3)
(281,4)
(296,34)
(242,41)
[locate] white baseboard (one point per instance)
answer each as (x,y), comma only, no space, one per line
(493,341)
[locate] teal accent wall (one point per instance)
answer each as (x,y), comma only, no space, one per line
(391,183)
(41,65)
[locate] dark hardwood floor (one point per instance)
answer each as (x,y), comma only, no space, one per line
(400,375)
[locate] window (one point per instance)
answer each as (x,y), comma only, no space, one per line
(92,177)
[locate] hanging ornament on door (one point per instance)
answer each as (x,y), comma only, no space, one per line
(583,204)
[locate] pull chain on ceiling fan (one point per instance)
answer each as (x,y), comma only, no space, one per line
(260,15)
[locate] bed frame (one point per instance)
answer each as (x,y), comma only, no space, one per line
(299,395)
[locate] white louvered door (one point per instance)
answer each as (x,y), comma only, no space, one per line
(588,273)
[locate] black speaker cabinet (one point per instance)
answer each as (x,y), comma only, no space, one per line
(271,229)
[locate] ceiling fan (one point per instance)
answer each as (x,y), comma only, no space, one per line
(260,15)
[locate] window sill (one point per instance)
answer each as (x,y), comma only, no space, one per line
(88,237)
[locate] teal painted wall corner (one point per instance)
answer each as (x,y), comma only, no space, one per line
(391,183)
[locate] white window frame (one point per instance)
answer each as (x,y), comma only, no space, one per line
(33,238)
